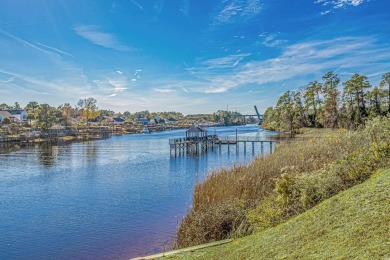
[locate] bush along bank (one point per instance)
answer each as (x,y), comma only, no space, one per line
(236,202)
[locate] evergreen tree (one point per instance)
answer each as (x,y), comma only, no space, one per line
(386,81)
(31,110)
(331,99)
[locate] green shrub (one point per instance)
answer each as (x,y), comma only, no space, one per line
(276,187)
(296,192)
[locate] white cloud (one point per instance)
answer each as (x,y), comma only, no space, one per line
(161,90)
(216,90)
(271,41)
(225,62)
(55,49)
(119,72)
(137,74)
(138,5)
(297,60)
(23,42)
(68,87)
(234,11)
(119,83)
(95,36)
(336,4)
(31,80)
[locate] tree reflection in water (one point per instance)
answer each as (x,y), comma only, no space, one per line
(47,154)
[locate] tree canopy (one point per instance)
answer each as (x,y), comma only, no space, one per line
(325,104)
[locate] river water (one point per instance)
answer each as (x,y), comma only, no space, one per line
(116,198)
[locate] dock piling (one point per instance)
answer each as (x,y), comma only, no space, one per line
(203,144)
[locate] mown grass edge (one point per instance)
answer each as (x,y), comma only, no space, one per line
(352,224)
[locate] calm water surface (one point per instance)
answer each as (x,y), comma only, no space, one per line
(109,199)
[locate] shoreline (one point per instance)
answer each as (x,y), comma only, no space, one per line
(54,136)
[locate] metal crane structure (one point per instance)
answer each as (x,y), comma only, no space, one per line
(259,117)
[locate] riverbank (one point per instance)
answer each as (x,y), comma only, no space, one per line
(59,137)
(350,225)
(28,135)
(273,189)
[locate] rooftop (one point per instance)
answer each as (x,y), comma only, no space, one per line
(196,129)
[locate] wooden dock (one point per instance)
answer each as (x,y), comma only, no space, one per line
(196,145)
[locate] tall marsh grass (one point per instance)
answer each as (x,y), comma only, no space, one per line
(298,175)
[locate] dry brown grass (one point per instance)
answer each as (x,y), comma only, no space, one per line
(249,182)
(67,138)
(222,201)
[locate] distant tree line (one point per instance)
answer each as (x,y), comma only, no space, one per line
(44,116)
(325,104)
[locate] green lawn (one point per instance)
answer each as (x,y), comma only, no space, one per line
(354,224)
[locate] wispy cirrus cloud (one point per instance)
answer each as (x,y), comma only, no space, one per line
(272,41)
(297,60)
(97,37)
(30,80)
(336,4)
(225,62)
(163,90)
(119,84)
(74,85)
(55,49)
(138,5)
(49,51)
(234,11)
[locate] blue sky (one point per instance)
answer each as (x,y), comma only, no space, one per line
(193,56)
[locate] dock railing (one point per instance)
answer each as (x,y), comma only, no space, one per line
(244,138)
(215,138)
(193,139)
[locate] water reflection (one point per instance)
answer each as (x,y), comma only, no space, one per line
(47,154)
(108,199)
(90,152)
(8,148)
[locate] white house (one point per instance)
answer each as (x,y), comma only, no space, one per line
(14,115)
(159,119)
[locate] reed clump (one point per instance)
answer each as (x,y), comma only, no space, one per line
(298,175)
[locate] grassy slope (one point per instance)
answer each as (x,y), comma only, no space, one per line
(352,224)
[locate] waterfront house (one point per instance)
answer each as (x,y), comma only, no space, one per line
(15,116)
(160,120)
(97,121)
(143,121)
(108,120)
(170,120)
(118,121)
